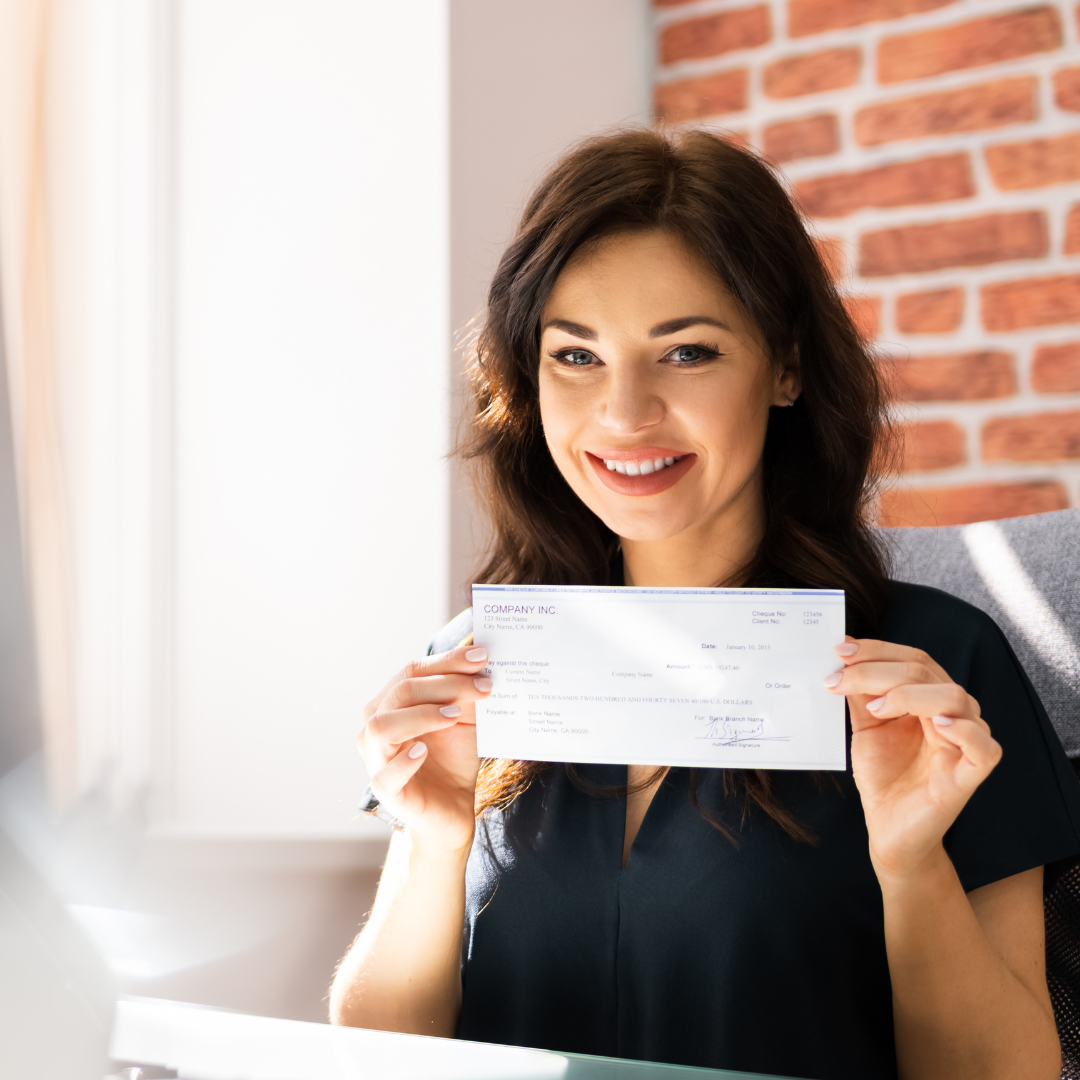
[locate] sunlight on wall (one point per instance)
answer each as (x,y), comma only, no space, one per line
(311,382)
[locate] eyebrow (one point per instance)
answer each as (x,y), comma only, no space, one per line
(672,326)
(572,328)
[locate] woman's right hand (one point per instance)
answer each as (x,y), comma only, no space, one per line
(419,745)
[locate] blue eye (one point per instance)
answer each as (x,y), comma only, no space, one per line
(690,354)
(576,357)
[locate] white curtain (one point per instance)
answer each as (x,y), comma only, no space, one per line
(28,315)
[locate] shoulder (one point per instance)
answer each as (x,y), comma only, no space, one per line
(452,634)
(951,630)
(909,602)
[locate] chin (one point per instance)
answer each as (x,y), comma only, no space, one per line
(643,526)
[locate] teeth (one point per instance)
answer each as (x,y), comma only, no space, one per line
(640,468)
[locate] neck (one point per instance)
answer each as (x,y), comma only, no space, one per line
(712,554)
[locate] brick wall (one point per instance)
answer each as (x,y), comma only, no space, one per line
(936,146)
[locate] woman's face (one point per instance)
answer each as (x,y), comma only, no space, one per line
(655,389)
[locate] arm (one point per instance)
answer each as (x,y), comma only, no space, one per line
(403,971)
(968,976)
(969,987)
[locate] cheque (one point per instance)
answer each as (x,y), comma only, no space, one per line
(726,678)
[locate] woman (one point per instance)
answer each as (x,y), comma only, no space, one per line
(663,312)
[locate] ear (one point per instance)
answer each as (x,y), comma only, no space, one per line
(789,381)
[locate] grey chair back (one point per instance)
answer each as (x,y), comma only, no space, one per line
(1025,574)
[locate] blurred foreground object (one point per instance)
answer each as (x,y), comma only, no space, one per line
(210,1044)
(56,996)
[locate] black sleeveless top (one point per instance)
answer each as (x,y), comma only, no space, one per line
(768,956)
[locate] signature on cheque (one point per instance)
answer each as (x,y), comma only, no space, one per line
(731,730)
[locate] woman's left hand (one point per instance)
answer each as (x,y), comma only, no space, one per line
(919,748)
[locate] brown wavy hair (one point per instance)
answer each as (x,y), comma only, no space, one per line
(821,458)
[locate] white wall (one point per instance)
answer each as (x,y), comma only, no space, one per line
(311,375)
(527,79)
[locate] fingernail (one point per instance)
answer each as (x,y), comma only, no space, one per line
(876,704)
(483,685)
(474,656)
(943,721)
(416,750)
(849,648)
(833,680)
(451,710)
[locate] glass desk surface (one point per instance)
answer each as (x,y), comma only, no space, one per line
(202,1043)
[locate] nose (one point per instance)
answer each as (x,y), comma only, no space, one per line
(629,402)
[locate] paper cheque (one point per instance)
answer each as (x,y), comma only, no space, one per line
(708,677)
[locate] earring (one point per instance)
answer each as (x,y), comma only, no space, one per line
(789,400)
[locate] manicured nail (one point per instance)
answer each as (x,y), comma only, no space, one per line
(474,656)
(833,680)
(451,710)
(416,750)
(483,685)
(943,721)
(876,704)
(849,648)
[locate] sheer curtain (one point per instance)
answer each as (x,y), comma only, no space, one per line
(29,313)
(203,261)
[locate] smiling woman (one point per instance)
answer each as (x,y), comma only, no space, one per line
(704,380)
(669,393)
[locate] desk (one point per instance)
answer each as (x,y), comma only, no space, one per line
(212,1044)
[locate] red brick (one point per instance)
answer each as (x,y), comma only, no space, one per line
(912,249)
(977,502)
(1067,89)
(830,250)
(969,44)
(1055,369)
(1051,436)
(1013,305)
(935,312)
(711,95)
(969,376)
(1072,231)
(739,139)
(971,108)
(790,140)
(714,35)
(865,313)
(811,73)
(1035,162)
(907,183)
(813,16)
(931,444)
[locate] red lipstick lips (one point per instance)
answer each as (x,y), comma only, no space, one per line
(652,483)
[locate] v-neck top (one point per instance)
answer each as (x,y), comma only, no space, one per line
(767,955)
